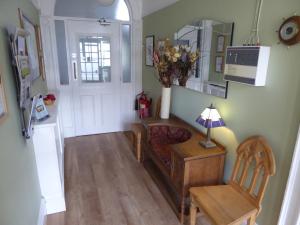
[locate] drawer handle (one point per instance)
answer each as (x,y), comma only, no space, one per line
(75,70)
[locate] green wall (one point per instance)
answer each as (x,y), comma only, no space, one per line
(272,111)
(19,188)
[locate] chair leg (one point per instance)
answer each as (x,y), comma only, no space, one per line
(193,213)
(251,220)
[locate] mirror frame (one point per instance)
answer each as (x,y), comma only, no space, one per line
(197,63)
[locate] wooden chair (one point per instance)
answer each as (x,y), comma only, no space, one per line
(241,199)
(138,132)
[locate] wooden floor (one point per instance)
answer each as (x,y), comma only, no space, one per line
(105,185)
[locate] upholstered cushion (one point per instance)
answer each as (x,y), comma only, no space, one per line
(168,134)
(163,153)
(162,136)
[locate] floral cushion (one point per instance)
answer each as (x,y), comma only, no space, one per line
(162,136)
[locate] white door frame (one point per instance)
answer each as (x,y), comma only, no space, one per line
(290,210)
(47,19)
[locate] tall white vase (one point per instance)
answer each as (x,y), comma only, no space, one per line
(165,103)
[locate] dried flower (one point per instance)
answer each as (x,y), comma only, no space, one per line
(173,62)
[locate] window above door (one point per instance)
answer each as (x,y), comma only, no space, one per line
(118,10)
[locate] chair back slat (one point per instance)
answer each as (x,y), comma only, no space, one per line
(245,172)
(254,165)
(236,168)
(262,189)
(254,180)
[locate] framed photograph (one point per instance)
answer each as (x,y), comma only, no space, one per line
(219,64)
(220,43)
(34,48)
(3,103)
(149,50)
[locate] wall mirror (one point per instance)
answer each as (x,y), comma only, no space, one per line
(211,38)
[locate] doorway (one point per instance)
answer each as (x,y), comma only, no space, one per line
(126,15)
(96,74)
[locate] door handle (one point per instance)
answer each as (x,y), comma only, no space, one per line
(75,70)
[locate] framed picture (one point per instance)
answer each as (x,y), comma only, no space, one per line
(3,103)
(220,43)
(149,50)
(40,51)
(34,48)
(219,64)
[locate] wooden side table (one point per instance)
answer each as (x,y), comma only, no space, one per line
(191,165)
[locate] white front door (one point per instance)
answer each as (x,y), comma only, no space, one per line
(94,58)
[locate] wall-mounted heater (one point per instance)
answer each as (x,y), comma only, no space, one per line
(247,64)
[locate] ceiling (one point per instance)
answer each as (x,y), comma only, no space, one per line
(150,6)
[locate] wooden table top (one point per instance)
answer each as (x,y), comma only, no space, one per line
(191,149)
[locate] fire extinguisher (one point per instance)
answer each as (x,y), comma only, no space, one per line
(143,104)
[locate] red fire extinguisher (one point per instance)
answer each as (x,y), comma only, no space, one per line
(143,105)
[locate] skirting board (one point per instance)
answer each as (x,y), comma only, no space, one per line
(42,212)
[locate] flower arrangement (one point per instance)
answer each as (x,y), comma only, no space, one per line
(164,58)
(173,62)
(185,63)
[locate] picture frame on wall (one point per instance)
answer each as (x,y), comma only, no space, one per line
(34,47)
(219,64)
(149,50)
(3,102)
(220,43)
(40,51)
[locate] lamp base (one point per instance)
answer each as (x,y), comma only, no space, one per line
(207,144)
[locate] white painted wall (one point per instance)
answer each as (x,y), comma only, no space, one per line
(290,211)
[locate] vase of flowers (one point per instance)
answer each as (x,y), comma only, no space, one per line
(164,60)
(171,63)
(185,63)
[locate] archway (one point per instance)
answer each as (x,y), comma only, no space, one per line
(48,18)
(47,8)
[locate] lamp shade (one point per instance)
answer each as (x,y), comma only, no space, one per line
(210,118)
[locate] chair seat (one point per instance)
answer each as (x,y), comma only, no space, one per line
(223,204)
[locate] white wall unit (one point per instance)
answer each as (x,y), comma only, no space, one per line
(49,153)
(42,213)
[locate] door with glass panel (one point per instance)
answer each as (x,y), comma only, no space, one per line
(94,59)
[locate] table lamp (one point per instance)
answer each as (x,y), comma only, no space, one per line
(210,118)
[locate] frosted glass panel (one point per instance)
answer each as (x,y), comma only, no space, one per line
(62,52)
(126,53)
